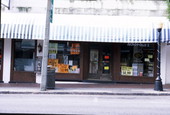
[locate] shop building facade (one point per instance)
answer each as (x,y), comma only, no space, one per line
(84,47)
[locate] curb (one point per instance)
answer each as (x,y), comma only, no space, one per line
(88,93)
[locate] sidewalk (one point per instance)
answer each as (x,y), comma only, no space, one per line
(84,88)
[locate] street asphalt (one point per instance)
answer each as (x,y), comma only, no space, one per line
(84,88)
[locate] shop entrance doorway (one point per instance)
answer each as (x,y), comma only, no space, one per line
(100,62)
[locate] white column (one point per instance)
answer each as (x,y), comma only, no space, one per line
(7,60)
(167,75)
(163,62)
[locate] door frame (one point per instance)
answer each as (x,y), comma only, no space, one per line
(102,76)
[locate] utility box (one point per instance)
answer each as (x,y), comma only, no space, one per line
(50,78)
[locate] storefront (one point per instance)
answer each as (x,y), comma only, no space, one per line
(90,49)
(126,62)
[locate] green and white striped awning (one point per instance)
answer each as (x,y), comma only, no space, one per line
(91,28)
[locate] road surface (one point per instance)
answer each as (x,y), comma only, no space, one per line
(84,104)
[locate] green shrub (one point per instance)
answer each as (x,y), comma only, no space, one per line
(168,9)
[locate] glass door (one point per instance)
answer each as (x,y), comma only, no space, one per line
(100,62)
(94,64)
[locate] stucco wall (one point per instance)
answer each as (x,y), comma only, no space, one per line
(7,60)
(167,75)
(165,63)
(94,7)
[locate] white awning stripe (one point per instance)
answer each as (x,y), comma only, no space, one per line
(84,28)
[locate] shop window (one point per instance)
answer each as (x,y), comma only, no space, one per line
(64,57)
(24,55)
(137,60)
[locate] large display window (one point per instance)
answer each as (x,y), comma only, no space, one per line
(64,57)
(137,60)
(24,55)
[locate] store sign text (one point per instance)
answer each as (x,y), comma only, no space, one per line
(138,44)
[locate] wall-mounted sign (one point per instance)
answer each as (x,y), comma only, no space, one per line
(138,44)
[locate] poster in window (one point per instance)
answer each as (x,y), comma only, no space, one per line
(73,69)
(75,49)
(70,62)
(126,70)
(129,71)
(53,62)
(150,56)
(65,59)
(53,47)
(63,68)
(52,56)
